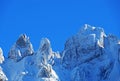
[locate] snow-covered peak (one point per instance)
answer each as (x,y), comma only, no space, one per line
(22,41)
(90,29)
(89,55)
(44,61)
(44,43)
(88,42)
(45,53)
(21,48)
(88,35)
(97,32)
(92,55)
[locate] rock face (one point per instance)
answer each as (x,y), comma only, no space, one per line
(90,55)
(84,46)
(36,67)
(21,48)
(45,60)
(45,54)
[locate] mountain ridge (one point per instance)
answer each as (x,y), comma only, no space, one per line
(89,55)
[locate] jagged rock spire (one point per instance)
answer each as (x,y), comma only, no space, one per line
(44,53)
(44,61)
(22,41)
(21,48)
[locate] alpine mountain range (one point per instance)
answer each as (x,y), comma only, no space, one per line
(89,55)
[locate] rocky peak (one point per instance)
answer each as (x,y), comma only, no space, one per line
(89,55)
(44,53)
(22,41)
(45,60)
(92,56)
(88,29)
(21,48)
(97,33)
(87,44)
(45,45)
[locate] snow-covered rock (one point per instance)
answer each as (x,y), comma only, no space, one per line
(44,53)
(90,55)
(45,60)
(36,67)
(1,56)
(21,48)
(84,46)
(46,72)
(2,75)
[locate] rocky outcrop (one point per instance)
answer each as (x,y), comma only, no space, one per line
(44,61)
(21,48)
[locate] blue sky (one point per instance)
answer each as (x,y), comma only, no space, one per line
(55,19)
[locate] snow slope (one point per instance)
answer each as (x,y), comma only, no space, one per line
(90,55)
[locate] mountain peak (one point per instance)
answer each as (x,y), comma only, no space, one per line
(44,44)
(89,55)
(45,60)
(44,53)
(97,33)
(21,48)
(88,29)
(22,40)
(89,39)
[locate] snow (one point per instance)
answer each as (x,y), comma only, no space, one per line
(2,75)
(1,56)
(21,48)
(90,55)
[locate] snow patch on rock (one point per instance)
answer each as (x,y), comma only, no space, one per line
(21,48)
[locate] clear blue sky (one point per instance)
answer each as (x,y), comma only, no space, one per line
(55,19)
